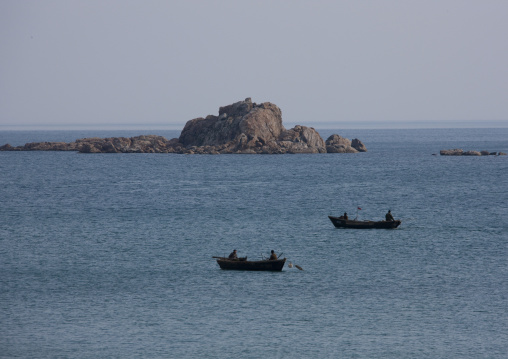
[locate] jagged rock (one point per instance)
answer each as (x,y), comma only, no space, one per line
(246,127)
(454,152)
(48,146)
(358,145)
(459,152)
(7,147)
(89,148)
(301,139)
(243,127)
(338,144)
(262,121)
(138,144)
(471,153)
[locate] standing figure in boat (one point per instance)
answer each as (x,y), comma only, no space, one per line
(389,217)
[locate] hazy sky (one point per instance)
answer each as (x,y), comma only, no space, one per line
(324,63)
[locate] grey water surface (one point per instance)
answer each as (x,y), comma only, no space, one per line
(110,255)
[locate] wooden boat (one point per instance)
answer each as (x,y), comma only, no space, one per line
(340,222)
(243,264)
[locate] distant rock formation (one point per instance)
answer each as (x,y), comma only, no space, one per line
(459,152)
(338,144)
(139,144)
(243,127)
(246,127)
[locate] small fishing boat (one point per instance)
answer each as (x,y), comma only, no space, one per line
(340,222)
(243,264)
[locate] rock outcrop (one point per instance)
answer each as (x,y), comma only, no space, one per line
(246,127)
(460,152)
(243,127)
(138,144)
(338,144)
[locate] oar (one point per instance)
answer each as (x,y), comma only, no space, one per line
(296,265)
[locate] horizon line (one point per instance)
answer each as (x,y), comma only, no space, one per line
(350,125)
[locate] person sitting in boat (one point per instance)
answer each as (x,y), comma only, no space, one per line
(273,256)
(389,217)
(345,216)
(233,255)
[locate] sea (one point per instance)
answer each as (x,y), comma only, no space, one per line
(111,255)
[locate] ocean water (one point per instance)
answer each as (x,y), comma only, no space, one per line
(110,255)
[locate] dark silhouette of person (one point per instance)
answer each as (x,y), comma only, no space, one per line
(233,255)
(345,216)
(389,217)
(273,256)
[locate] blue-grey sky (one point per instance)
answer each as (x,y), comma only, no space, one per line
(326,64)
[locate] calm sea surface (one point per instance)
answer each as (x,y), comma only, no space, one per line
(110,255)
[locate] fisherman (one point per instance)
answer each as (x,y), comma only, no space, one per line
(389,217)
(273,256)
(233,255)
(345,216)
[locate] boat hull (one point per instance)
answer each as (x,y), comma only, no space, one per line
(264,265)
(351,223)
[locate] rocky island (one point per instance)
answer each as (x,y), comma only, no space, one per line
(460,152)
(243,128)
